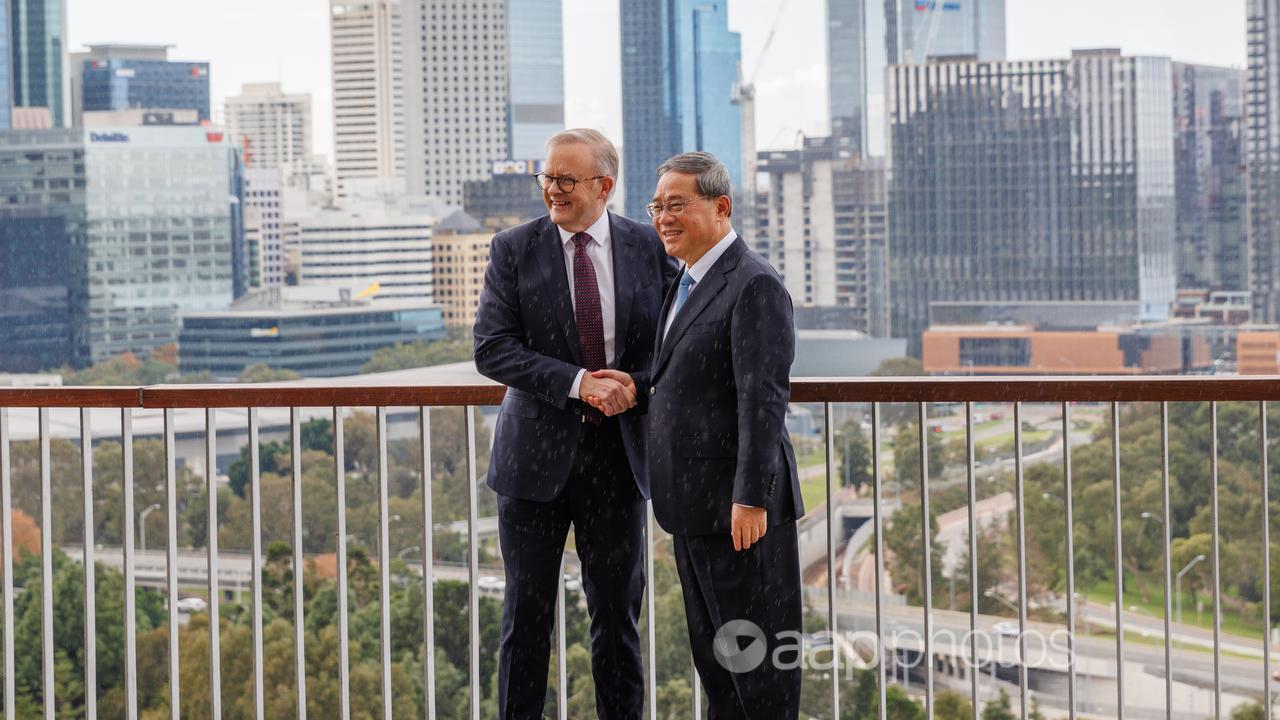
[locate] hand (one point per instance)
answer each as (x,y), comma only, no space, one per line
(609,391)
(749,524)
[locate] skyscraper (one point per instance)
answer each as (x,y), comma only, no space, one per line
(456,93)
(1031,180)
(865,37)
(368,92)
(1263,157)
(536,111)
(272,128)
(6,67)
(137,77)
(40,67)
(1212,196)
(679,67)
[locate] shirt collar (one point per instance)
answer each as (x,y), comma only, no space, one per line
(599,231)
(699,269)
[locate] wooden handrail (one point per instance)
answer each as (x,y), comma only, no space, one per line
(1185,388)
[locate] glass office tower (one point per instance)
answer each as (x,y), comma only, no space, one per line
(1031,181)
(679,67)
(39,55)
(536,110)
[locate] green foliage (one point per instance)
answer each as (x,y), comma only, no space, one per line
(263,373)
(456,347)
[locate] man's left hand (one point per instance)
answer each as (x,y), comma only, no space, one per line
(616,375)
(749,524)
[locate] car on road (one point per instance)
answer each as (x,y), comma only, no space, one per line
(491,583)
(192,605)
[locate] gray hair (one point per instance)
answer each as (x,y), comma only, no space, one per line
(713,177)
(606,153)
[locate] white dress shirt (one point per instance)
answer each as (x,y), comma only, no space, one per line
(600,252)
(699,270)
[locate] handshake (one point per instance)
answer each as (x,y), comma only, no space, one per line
(609,391)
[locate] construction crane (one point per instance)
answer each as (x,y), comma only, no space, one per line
(747,90)
(744,96)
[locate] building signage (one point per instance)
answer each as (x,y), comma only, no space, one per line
(944,5)
(126,73)
(110,137)
(518,167)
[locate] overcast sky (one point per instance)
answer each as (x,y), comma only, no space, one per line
(287,41)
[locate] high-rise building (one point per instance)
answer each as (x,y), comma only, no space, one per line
(368,93)
(509,197)
(272,128)
(6,67)
(821,224)
(136,77)
(384,249)
(679,69)
(865,37)
(264,216)
(535,29)
(125,247)
(460,254)
(1212,194)
(1263,157)
(39,52)
(1036,180)
(457,92)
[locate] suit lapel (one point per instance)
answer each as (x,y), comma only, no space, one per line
(550,254)
(625,261)
(699,299)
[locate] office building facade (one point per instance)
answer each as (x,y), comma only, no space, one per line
(136,226)
(384,249)
(272,128)
(509,197)
(1212,203)
(535,29)
(821,224)
(136,77)
(460,254)
(679,68)
(1263,157)
(366,47)
(865,37)
(39,54)
(264,217)
(1031,180)
(6,67)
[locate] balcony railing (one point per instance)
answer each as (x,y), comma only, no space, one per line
(897,639)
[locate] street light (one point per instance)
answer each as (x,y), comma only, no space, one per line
(1178,583)
(407,550)
(142,524)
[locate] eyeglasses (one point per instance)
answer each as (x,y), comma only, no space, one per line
(674,208)
(567,184)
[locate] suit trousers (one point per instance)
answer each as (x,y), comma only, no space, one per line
(759,585)
(603,505)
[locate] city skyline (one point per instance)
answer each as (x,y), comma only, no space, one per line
(242,44)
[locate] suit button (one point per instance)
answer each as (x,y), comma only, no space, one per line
(653,390)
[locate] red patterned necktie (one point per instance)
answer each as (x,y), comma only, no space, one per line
(587,313)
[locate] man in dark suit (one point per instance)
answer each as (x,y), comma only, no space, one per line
(572,292)
(721,465)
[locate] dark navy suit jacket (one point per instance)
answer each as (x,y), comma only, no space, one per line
(526,338)
(718,400)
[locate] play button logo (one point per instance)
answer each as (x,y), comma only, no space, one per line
(740,646)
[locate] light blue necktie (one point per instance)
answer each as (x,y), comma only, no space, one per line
(686,284)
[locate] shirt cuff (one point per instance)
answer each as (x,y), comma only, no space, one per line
(573,389)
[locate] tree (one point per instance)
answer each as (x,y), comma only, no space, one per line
(855,460)
(949,705)
(456,347)
(264,373)
(998,709)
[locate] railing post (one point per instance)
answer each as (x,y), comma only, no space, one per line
(90,584)
(215,640)
(171,564)
(6,539)
(255,545)
(428,567)
(299,589)
(344,648)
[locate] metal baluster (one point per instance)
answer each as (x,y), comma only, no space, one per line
(831,559)
(255,545)
(6,530)
(171,562)
(299,589)
(1021,507)
(130,582)
(344,644)
(46,566)
(927,565)
(384,562)
(1119,563)
(1217,575)
(877,518)
(90,584)
(651,630)
(1168,560)
(1069,523)
(428,566)
(562,671)
(7,548)
(972,481)
(473,566)
(211,482)
(697,693)
(1266,559)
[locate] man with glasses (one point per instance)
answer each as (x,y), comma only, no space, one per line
(568,294)
(722,468)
